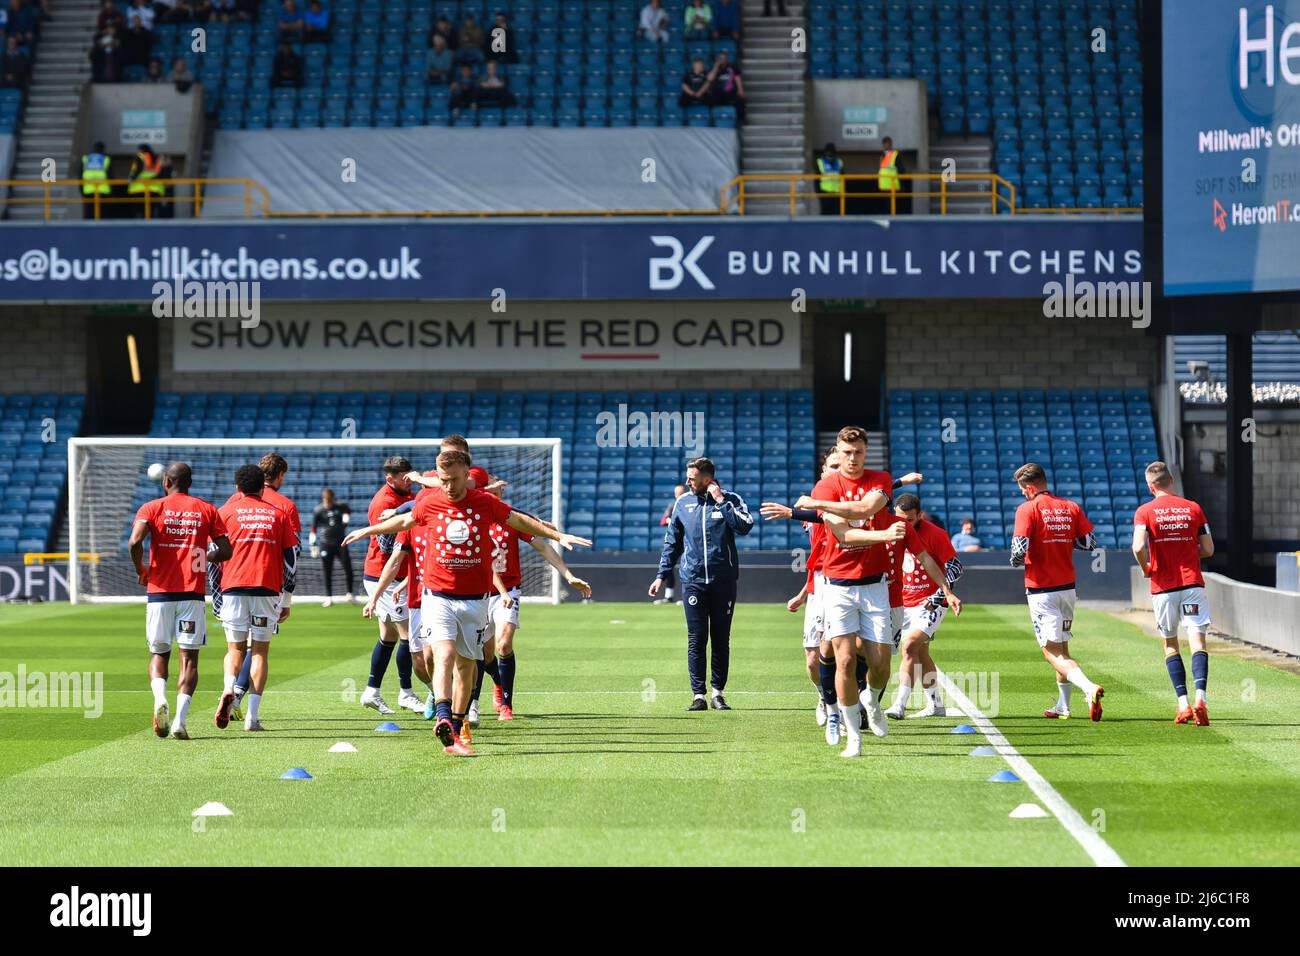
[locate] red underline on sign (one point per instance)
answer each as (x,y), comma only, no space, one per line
(633,356)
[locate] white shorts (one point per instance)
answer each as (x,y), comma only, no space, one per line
(861,609)
(1052,614)
(250,616)
(814,630)
(896,621)
(387,608)
(463,620)
(499,614)
(924,619)
(1190,606)
(184,622)
(414,640)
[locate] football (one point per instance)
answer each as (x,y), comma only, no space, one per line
(156,472)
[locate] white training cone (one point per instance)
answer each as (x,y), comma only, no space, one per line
(1028,811)
(343,747)
(213,809)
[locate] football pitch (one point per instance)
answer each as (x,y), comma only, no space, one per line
(604,765)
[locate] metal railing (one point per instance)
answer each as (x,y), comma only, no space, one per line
(251,196)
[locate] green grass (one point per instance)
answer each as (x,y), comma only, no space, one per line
(605,766)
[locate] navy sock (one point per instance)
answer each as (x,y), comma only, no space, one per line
(493,671)
(1177,673)
(404,665)
(1201,669)
(862,674)
(478,681)
(243,680)
(506,675)
(827,668)
(442,709)
(379,658)
(457,722)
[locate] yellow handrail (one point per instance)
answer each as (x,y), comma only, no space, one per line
(66,192)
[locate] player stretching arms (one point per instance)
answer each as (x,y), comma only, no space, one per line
(390,611)
(457,580)
(926,596)
(274,469)
(1047,531)
(1170,537)
(179,527)
(253,589)
(503,612)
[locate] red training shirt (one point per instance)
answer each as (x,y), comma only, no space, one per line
(505,553)
(1051,524)
(896,553)
(458,559)
(259,532)
(917,586)
(1174,527)
(385,498)
(180,527)
(850,564)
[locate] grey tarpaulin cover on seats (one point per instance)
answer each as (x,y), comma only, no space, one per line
(437,168)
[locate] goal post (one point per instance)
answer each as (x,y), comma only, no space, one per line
(108,481)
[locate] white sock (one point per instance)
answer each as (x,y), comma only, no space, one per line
(852,718)
(230,683)
(1200,696)
(182,709)
(668,593)
(1182,701)
(1063,690)
(254,701)
(159,685)
(933,693)
(1080,680)
(904,692)
(715,692)
(700,697)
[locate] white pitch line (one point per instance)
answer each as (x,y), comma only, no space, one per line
(1098,849)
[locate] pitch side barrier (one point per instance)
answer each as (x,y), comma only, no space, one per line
(1250,612)
(853,257)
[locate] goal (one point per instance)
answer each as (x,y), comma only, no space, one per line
(108,482)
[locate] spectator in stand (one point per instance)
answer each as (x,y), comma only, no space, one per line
(316,23)
(695,85)
(177,11)
(154,73)
(443,29)
(246,9)
(767,8)
(289,21)
(17,67)
(439,62)
(286,70)
(140,12)
(181,75)
(965,540)
(21,22)
(137,45)
(492,89)
(654,22)
(105,58)
(699,20)
(727,85)
(726,19)
(464,91)
(109,14)
(501,43)
(470,41)
(224,10)
(200,10)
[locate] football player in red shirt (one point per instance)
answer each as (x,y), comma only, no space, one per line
(503,608)
(1047,531)
(923,574)
(253,589)
(1170,538)
(274,469)
(855,594)
(180,529)
(457,580)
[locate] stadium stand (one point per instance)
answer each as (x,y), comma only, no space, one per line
(762,441)
(575,67)
(34,433)
(1093,443)
(23,27)
(1066,120)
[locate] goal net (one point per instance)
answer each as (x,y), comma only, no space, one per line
(108,482)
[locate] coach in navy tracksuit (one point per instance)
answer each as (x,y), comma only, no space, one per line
(702,529)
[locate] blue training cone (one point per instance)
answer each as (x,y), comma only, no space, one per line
(1004,776)
(983,752)
(388,725)
(963,729)
(295,773)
